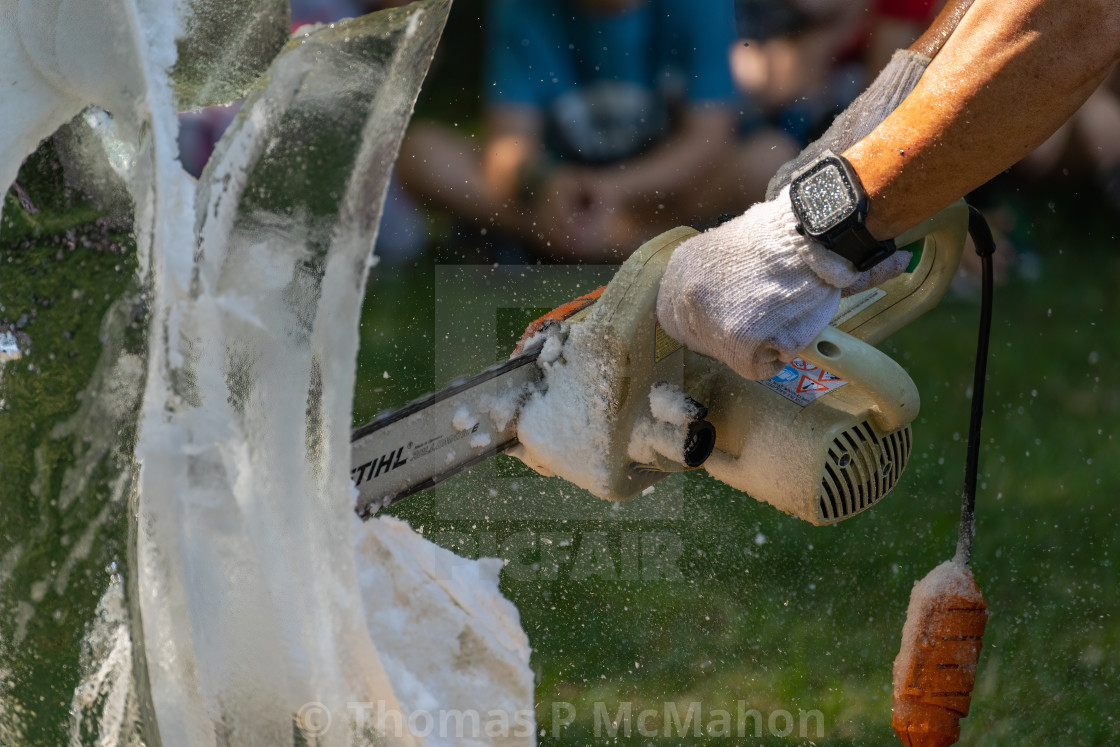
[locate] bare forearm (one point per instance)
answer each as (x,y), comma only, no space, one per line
(1009,75)
(943,26)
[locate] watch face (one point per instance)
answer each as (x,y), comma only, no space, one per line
(823,198)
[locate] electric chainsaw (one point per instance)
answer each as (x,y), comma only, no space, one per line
(597,393)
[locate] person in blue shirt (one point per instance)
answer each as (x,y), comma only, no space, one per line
(606,122)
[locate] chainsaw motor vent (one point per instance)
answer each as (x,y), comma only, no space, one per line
(861,467)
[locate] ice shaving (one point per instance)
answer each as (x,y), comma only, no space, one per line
(561,429)
(666,431)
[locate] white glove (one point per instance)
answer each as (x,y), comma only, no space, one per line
(863,115)
(754,292)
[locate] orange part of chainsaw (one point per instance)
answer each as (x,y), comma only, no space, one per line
(559,314)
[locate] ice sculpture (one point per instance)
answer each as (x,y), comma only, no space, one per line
(247,619)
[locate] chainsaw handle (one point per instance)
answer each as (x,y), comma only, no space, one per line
(877,313)
(895,395)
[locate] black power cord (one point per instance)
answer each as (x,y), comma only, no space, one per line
(985,247)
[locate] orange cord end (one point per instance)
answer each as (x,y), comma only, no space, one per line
(935,671)
(559,314)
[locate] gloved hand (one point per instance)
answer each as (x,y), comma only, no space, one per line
(754,292)
(863,115)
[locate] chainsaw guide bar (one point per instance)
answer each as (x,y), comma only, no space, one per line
(418,446)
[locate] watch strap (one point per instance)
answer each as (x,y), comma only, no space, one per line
(858,246)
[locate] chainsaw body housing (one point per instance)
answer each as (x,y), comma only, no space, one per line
(825,440)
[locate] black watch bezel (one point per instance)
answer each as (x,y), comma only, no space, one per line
(846,235)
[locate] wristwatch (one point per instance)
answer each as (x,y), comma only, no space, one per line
(831,207)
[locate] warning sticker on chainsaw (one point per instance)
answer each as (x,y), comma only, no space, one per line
(801,382)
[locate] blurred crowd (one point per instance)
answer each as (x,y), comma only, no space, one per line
(604,122)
